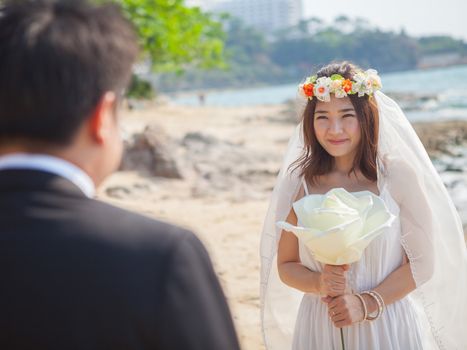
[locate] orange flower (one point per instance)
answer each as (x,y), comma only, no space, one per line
(308,89)
(347,85)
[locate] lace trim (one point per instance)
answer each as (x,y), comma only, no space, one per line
(425,304)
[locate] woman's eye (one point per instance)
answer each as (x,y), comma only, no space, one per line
(348,115)
(321,117)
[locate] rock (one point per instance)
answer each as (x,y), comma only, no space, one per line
(291,112)
(449,137)
(198,143)
(132,189)
(210,166)
(413,102)
(223,166)
(198,137)
(456,184)
(452,167)
(118,192)
(151,152)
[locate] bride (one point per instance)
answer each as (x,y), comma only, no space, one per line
(408,289)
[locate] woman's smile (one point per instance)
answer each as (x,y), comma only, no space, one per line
(337,141)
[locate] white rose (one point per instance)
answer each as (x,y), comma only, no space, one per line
(338,226)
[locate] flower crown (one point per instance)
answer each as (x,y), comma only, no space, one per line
(366,82)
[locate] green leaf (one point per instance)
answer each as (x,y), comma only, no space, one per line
(337,77)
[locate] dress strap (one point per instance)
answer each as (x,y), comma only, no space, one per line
(305,187)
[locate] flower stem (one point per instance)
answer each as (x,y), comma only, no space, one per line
(342,339)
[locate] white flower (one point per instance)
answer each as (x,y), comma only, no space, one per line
(374,78)
(367,82)
(337,89)
(371,72)
(340,93)
(359,85)
(338,226)
(322,89)
(336,84)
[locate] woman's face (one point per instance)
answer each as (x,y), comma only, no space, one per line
(337,127)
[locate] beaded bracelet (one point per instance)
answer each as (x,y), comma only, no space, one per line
(380,306)
(365,310)
(380,301)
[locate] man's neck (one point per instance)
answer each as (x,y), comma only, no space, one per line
(50,164)
(77,156)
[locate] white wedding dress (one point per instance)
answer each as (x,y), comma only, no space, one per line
(428,229)
(397,329)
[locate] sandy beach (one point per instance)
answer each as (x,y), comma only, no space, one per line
(226,160)
(226,217)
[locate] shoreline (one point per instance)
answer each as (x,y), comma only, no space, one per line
(210,90)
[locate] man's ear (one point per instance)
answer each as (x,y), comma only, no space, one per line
(100,122)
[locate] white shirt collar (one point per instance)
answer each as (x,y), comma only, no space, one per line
(52,165)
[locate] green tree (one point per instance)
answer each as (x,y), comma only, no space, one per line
(140,89)
(441,44)
(174,36)
(249,62)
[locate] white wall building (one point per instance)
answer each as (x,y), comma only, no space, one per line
(205,4)
(265,15)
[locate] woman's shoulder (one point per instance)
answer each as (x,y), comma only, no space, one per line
(398,169)
(400,176)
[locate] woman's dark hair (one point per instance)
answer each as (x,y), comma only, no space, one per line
(57,59)
(315,160)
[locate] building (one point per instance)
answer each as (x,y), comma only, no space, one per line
(266,15)
(444,59)
(205,4)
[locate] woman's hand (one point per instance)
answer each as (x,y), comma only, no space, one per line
(333,280)
(345,310)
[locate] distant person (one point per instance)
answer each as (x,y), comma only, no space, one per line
(77,273)
(407,288)
(202,98)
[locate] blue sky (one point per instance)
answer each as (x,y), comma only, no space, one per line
(418,17)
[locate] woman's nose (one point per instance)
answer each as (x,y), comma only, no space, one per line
(335,127)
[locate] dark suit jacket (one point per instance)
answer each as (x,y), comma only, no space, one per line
(77,273)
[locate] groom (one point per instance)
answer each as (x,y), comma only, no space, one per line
(77,273)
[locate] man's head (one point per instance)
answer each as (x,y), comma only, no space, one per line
(63,68)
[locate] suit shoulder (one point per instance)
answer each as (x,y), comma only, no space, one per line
(117,224)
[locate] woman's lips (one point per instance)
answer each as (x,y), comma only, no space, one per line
(337,142)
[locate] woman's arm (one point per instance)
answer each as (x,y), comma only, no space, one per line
(291,270)
(415,216)
(347,309)
(394,287)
